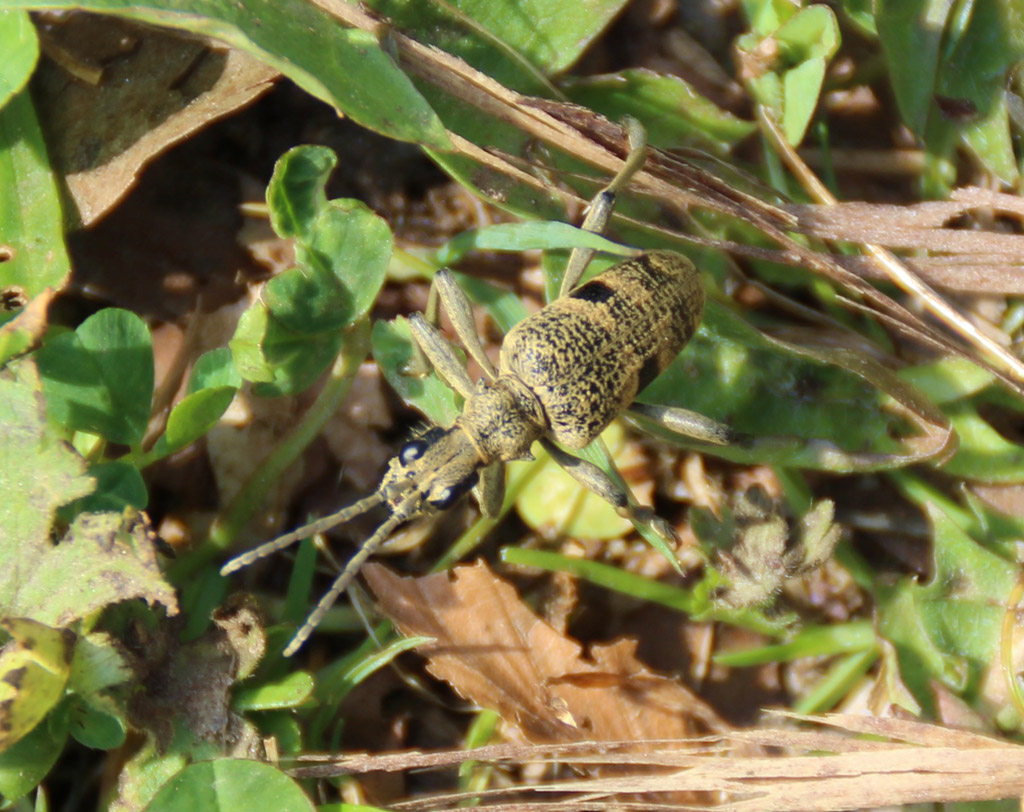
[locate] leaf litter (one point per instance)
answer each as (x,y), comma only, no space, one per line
(831,766)
(495,652)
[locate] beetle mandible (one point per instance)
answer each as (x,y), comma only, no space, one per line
(563,375)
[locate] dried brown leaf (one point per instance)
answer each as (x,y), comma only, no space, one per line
(496,653)
(116,94)
(919,226)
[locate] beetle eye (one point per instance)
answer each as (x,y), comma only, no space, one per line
(450,495)
(412,450)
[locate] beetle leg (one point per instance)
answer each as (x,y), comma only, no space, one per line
(683,421)
(490,492)
(444,290)
(600,209)
(456,303)
(440,355)
(618,496)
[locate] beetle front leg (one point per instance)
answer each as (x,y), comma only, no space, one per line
(445,290)
(439,355)
(619,497)
(490,492)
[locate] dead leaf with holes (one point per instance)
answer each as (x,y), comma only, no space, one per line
(498,654)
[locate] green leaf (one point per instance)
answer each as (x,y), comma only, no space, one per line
(507,39)
(147,770)
(31,223)
(342,250)
(104,558)
(307,302)
(295,194)
(119,485)
(278,360)
(214,369)
(760,386)
(247,345)
(98,719)
(38,474)
(21,50)
(230,785)
(341,269)
(670,108)
(949,379)
(544,235)
(767,15)
(911,35)
(336,681)
(34,668)
(354,244)
(801,87)
(192,417)
(811,641)
(862,14)
(949,628)
(99,723)
(99,378)
(288,692)
(690,601)
(98,664)
(346,68)
(944,56)
(976,59)
(984,454)
(800,49)
(25,764)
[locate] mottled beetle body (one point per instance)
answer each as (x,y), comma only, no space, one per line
(564,374)
(604,342)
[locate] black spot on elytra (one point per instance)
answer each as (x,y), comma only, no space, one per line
(649,371)
(594,291)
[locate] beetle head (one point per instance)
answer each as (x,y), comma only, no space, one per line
(438,467)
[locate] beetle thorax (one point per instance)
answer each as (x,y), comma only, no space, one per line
(503,418)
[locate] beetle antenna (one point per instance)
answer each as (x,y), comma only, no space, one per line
(307,530)
(368,548)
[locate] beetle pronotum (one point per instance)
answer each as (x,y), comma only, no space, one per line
(564,374)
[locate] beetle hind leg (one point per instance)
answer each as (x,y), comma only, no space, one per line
(682,421)
(616,494)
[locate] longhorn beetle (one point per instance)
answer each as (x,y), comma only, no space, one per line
(564,374)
